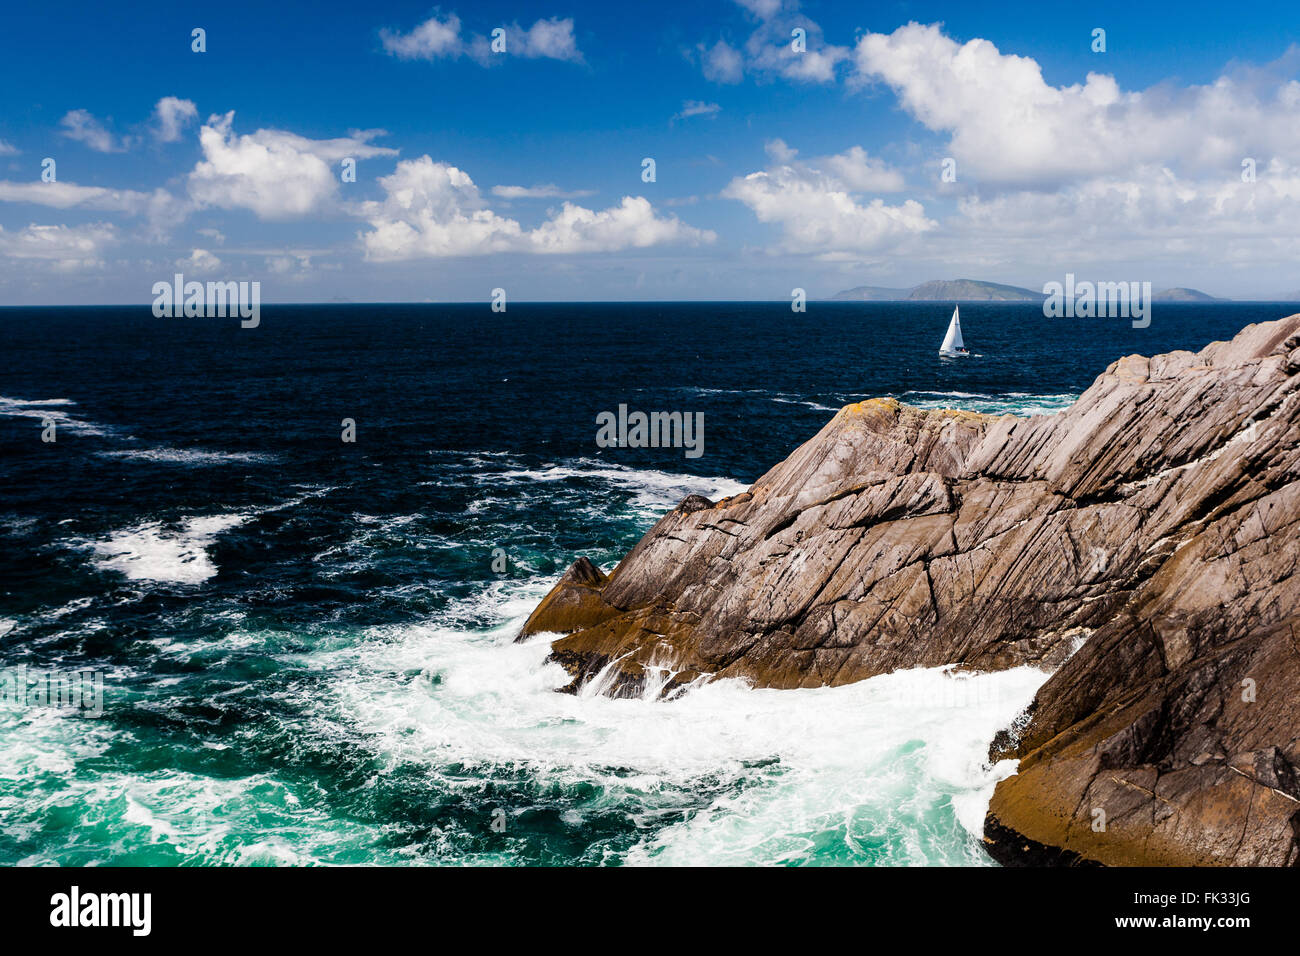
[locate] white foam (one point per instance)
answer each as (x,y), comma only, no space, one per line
(816,406)
(51,409)
(176,554)
(188,456)
(1023,404)
(899,759)
(652,490)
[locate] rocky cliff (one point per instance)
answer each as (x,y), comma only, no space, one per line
(1151,527)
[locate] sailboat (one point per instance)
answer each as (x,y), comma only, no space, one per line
(952,343)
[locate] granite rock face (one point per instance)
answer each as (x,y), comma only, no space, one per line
(1151,527)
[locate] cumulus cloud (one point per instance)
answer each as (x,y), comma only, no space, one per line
(1148,215)
(856,171)
(432,39)
(293,264)
(273,173)
(819,207)
(82,126)
(440,38)
(1008,126)
(551,39)
(779,151)
(631,224)
(433,209)
(722,63)
(1060,177)
(763,9)
(770,52)
(171,116)
(199,261)
(63,247)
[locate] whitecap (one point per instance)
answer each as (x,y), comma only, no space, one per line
(652,489)
(51,409)
(174,553)
(188,456)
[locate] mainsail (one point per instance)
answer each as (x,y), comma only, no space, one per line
(952,341)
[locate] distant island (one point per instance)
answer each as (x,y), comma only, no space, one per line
(939,290)
(976,290)
(1184,295)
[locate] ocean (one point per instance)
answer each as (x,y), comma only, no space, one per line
(306,645)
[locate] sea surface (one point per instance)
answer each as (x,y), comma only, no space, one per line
(306,645)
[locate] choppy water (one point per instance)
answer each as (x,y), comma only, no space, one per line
(307,652)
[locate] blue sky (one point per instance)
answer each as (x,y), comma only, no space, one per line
(819,168)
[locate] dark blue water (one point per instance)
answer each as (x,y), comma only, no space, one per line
(299,635)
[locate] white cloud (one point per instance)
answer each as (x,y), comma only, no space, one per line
(65,195)
(81,126)
(852,170)
(1132,183)
(216,235)
(276,174)
(632,224)
(722,63)
(859,172)
(1008,126)
(292,264)
(816,205)
(698,108)
(160,208)
(173,115)
(551,38)
(430,40)
(1148,215)
(64,247)
(440,38)
(548,191)
(770,52)
(763,9)
(199,261)
(433,209)
(779,151)
(8,149)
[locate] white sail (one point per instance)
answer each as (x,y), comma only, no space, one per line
(952,341)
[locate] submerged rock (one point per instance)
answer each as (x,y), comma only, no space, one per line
(1153,524)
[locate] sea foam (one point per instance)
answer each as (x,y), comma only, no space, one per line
(175,553)
(888,771)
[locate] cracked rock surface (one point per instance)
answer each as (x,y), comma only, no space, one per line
(1154,522)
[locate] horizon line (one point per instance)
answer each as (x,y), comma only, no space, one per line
(487,301)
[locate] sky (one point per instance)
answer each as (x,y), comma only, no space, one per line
(795,145)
